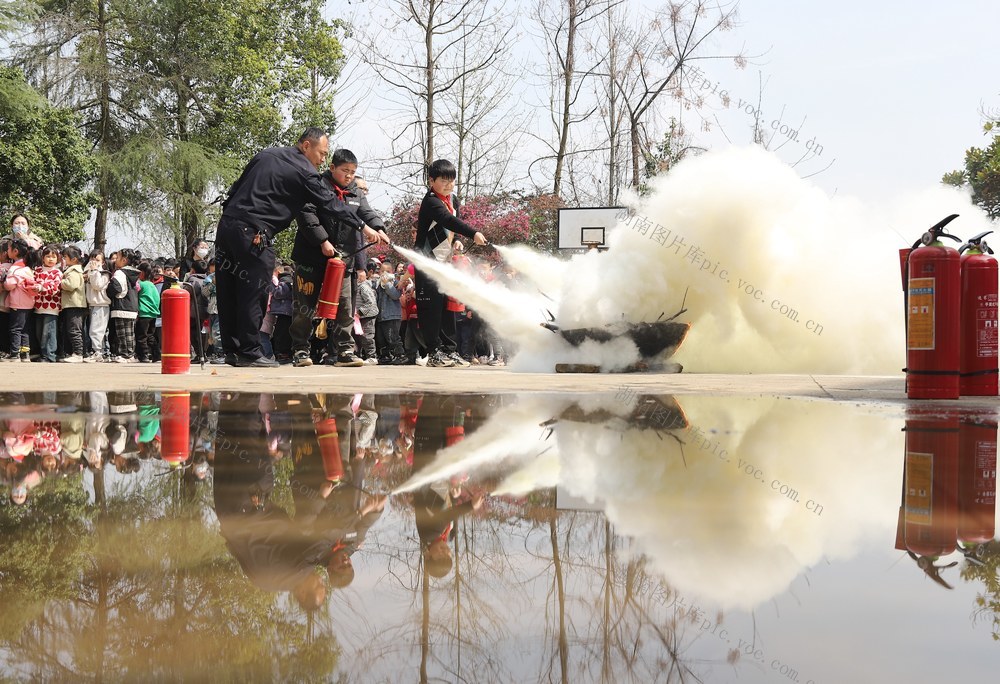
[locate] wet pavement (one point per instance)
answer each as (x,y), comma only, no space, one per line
(615,536)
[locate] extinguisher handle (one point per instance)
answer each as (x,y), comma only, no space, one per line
(978,243)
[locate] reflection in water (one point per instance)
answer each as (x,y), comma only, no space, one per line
(256,535)
(730,500)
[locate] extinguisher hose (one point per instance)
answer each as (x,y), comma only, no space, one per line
(344,257)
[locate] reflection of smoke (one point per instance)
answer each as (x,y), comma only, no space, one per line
(747,237)
(707,526)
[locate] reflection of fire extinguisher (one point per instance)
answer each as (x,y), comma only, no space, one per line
(175,427)
(933,298)
(329,294)
(930,484)
(977,481)
(979,319)
(329,448)
(175,309)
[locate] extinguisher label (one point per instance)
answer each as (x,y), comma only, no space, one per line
(986,326)
(920,321)
(919,482)
(985,484)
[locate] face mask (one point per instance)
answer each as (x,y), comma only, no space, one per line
(20,231)
(201,253)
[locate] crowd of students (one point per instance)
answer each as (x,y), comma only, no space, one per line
(60,304)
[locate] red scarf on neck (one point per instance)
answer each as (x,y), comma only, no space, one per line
(341,192)
(447,202)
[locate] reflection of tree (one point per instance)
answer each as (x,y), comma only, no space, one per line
(610,617)
(151,593)
(983,566)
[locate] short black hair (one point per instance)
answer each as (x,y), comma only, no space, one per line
(342,155)
(312,134)
(442,168)
(72,252)
(145,270)
(199,266)
(17,216)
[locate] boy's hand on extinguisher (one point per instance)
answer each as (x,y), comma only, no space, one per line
(328,249)
(480,239)
(372,235)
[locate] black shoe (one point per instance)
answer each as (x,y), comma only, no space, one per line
(301,359)
(401,361)
(259,362)
(348,360)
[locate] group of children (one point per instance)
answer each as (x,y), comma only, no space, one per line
(58,304)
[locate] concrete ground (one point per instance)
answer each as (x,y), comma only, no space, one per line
(79,377)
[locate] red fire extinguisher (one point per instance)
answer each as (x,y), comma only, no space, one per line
(175,427)
(977,481)
(329,449)
(175,308)
(329,294)
(979,319)
(930,484)
(933,307)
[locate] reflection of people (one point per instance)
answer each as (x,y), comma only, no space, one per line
(436,511)
(272,189)
(440,423)
(278,552)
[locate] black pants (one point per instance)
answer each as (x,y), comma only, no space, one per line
(308,282)
(437,324)
(242,275)
(145,338)
(387,339)
(18,324)
(73,339)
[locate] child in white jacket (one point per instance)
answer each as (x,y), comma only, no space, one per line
(97,277)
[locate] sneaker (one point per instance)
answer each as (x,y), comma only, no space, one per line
(400,361)
(301,359)
(371,361)
(145,360)
(93,358)
(421,360)
(259,362)
(458,360)
(348,361)
(497,362)
(223,359)
(121,359)
(72,358)
(439,360)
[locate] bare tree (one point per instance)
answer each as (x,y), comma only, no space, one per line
(430,34)
(561,23)
(486,124)
(655,58)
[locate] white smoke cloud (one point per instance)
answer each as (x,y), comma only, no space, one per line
(776,275)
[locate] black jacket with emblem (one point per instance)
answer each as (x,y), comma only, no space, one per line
(314,229)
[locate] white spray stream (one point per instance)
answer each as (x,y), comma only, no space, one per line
(778,276)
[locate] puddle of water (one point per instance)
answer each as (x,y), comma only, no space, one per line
(494,538)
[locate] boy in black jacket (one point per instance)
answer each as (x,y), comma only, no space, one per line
(317,239)
(437,224)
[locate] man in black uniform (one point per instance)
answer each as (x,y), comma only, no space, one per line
(273,188)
